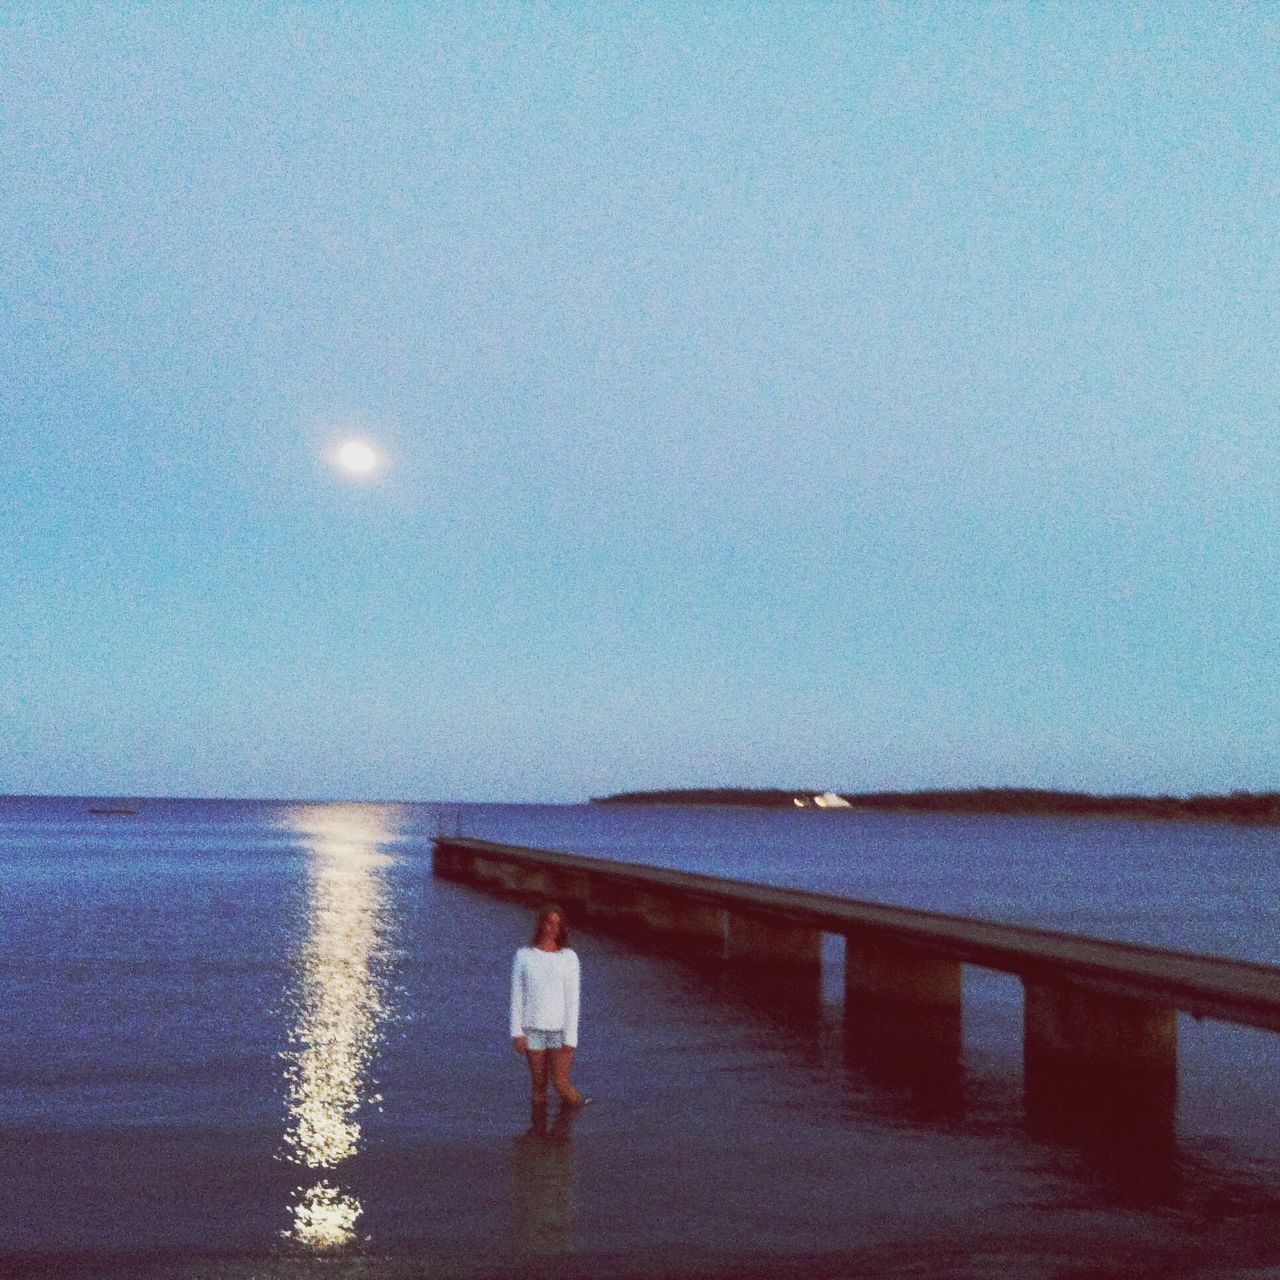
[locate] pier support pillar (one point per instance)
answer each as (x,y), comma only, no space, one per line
(1095,1031)
(1099,1066)
(469,866)
(511,877)
(571,889)
(666,913)
(894,976)
(642,910)
(751,940)
(448,861)
(550,883)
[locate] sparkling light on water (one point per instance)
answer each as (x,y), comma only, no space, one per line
(340,1010)
(324,1217)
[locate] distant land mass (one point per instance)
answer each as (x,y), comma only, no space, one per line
(1238,806)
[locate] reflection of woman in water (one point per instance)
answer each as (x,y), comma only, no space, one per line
(544,1007)
(544,1179)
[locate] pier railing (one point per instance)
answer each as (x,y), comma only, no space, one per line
(1091,1005)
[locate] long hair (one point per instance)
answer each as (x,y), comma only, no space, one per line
(562,939)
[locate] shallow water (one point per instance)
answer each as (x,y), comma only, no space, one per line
(246,1038)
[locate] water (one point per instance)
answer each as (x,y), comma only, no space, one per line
(259,1039)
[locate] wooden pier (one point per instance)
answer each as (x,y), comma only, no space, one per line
(1095,1011)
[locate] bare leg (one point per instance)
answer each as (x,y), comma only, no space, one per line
(538,1074)
(561,1065)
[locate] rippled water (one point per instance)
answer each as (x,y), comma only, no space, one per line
(249,1039)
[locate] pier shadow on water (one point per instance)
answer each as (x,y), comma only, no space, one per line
(1123,1127)
(908,1062)
(907,1068)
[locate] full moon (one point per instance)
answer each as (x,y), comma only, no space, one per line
(355,455)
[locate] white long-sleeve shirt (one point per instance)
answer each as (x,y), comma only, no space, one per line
(544,992)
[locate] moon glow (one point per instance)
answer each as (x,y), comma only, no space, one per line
(356,456)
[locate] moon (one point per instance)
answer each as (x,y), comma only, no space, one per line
(357,457)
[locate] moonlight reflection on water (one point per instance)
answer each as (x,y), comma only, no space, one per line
(340,1010)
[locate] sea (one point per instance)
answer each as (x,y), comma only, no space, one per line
(258,1039)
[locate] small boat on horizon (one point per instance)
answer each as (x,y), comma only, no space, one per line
(823,800)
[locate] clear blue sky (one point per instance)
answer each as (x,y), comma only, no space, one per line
(854,396)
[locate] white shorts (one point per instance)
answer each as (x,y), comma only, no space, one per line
(539,1040)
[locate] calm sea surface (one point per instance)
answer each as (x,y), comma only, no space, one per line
(247,1039)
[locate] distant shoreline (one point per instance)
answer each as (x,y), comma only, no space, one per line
(1253,807)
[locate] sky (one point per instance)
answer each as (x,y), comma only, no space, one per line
(853,397)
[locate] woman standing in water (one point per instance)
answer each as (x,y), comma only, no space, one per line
(544,1007)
